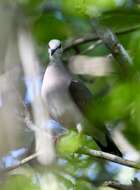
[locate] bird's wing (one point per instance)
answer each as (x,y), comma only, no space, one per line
(80,94)
(83,98)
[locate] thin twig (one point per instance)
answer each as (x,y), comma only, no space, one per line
(92,46)
(119,186)
(112,43)
(113,184)
(116,48)
(111,157)
(91,152)
(22,162)
(79,41)
(95,183)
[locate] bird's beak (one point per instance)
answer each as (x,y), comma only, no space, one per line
(52,51)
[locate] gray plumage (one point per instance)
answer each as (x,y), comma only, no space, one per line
(66,98)
(55,94)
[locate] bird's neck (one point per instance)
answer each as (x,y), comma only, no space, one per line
(56,61)
(56,58)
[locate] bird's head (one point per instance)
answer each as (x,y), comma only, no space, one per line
(55,49)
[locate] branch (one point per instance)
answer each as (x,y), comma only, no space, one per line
(95,183)
(111,157)
(112,43)
(79,41)
(46,8)
(119,186)
(92,46)
(90,66)
(91,38)
(22,162)
(113,184)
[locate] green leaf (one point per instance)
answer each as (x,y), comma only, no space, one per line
(17,182)
(69,143)
(119,100)
(116,105)
(48,27)
(82,185)
(90,8)
(133,123)
(134,49)
(136,183)
(121,20)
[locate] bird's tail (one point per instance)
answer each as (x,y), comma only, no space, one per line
(110,146)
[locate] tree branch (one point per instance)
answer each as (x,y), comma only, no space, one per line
(116,48)
(119,186)
(111,157)
(91,38)
(22,162)
(80,41)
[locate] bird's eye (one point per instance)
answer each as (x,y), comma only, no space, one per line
(59,46)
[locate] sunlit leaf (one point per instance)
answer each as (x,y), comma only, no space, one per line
(88,8)
(69,143)
(19,182)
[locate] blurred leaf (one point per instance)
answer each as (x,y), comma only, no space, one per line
(130,131)
(134,49)
(82,185)
(121,20)
(133,124)
(19,182)
(119,100)
(136,183)
(88,142)
(48,27)
(88,7)
(69,143)
(65,182)
(115,105)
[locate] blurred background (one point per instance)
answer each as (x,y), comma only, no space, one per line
(101,40)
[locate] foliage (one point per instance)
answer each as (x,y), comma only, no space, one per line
(120,106)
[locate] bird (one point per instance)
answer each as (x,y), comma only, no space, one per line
(66,99)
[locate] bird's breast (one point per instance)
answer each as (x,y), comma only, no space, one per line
(59,103)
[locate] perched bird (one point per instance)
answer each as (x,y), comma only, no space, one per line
(66,99)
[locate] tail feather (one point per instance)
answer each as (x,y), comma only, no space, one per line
(110,147)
